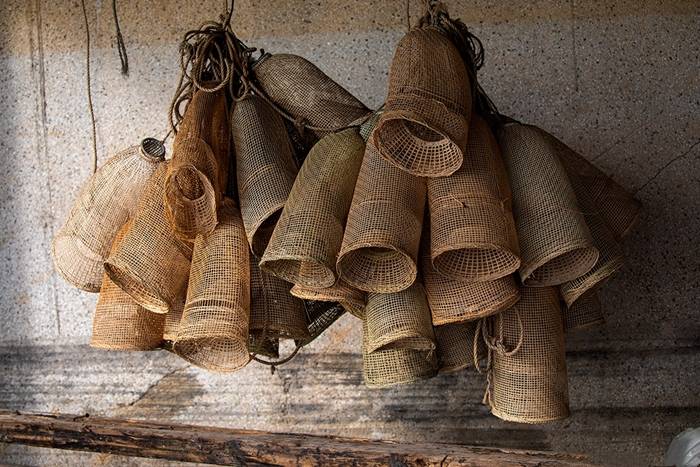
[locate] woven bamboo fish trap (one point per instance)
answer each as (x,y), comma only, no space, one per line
(528,380)
(351,299)
(305,243)
(119,322)
(307,93)
(213,331)
(198,172)
(610,258)
(455,346)
(399,320)
(618,208)
(555,242)
(151,264)
(382,235)
(105,203)
(394,366)
(585,312)
(426,120)
(275,313)
(265,167)
(453,301)
(472,227)
(173,318)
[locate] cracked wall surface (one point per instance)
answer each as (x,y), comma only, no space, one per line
(618,81)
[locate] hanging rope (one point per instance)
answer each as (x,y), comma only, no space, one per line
(121,47)
(88,80)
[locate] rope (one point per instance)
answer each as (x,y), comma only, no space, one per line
(89,87)
(121,47)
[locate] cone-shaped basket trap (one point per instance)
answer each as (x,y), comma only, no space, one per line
(306,93)
(173,318)
(119,322)
(555,243)
(585,312)
(453,301)
(393,366)
(198,173)
(618,208)
(263,345)
(610,259)
(351,299)
(265,167)
(306,241)
(105,203)
(399,320)
(151,264)
(274,311)
(426,120)
(213,332)
(528,380)
(382,234)
(472,227)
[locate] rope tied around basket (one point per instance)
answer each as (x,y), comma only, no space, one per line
(494,343)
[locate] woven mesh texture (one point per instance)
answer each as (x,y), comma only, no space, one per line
(555,243)
(453,301)
(308,94)
(320,316)
(531,386)
(198,173)
(610,259)
(274,311)
(151,264)
(455,346)
(426,120)
(399,320)
(472,227)
(351,299)
(585,312)
(105,203)
(618,208)
(368,125)
(393,366)
(262,345)
(213,332)
(173,318)
(306,241)
(119,322)
(265,167)
(382,234)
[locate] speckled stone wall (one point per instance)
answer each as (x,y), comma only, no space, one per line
(617,80)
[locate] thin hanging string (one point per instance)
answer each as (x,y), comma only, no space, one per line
(88,80)
(121,47)
(408,15)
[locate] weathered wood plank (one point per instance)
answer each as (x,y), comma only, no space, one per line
(322,393)
(223,446)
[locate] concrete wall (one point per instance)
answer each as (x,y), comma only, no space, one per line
(616,80)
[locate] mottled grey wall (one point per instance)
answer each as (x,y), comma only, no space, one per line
(617,80)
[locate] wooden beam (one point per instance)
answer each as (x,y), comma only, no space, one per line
(223,446)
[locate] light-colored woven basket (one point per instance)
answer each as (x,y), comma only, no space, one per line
(424,127)
(307,238)
(105,203)
(473,234)
(265,167)
(151,264)
(213,331)
(382,234)
(555,242)
(119,322)
(530,385)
